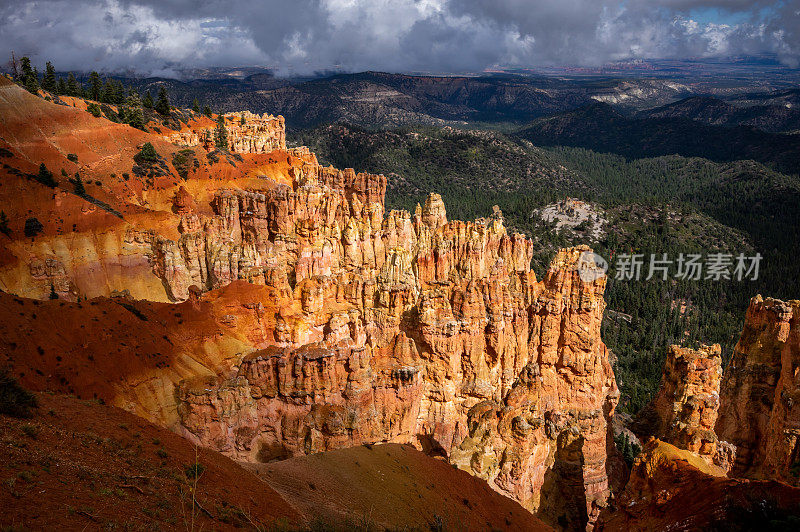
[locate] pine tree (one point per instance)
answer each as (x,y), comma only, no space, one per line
(45,176)
(119,93)
(24,68)
(49,80)
(4,224)
(162,102)
(32,83)
(136,118)
(73,89)
(221,134)
(30,78)
(95,86)
(207,111)
(61,86)
(53,293)
(109,94)
(80,190)
(133,115)
(148,100)
(196,106)
(133,99)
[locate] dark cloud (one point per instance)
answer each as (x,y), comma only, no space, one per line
(301,36)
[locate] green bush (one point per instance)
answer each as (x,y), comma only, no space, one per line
(147,154)
(80,189)
(94,110)
(45,177)
(182,160)
(194,471)
(33,227)
(15,400)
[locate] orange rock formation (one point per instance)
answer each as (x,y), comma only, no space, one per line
(760,395)
(354,325)
(674,489)
(679,482)
(267,307)
(247,133)
(684,411)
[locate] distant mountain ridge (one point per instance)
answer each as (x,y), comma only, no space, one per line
(602,128)
(381,99)
(771,117)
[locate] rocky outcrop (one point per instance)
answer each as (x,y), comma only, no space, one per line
(329,221)
(247,133)
(684,411)
(674,489)
(365,326)
(407,329)
(681,479)
(760,395)
(252,133)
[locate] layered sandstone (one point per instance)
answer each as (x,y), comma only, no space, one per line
(760,395)
(327,223)
(247,133)
(684,410)
(366,326)
(412,329)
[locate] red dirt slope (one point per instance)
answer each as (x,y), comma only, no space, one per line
(80,465)
(393,486)
(128,353)
(673,489)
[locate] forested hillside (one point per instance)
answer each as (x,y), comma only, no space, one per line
(603,128)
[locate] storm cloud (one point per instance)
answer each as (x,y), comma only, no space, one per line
(160,37)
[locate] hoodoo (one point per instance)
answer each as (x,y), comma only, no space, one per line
(309,319)
(760,395)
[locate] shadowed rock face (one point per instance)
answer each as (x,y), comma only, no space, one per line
(680,479)
(760,396)
(674,489)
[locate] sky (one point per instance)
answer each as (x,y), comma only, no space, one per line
(300,37)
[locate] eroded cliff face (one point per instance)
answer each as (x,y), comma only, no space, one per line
(411,329)
(247,133)
(684,411)
(760,396)
(366,326)
(682,478)
(328,223)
